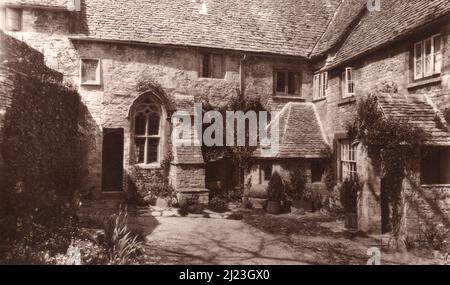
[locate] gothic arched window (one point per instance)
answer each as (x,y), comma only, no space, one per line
(147,132)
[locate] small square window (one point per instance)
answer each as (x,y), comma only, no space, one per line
(90,72)
(212,66)
(13,19)
(287,83)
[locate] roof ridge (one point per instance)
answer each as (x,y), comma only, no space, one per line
(319,122)
(328,26)
(351,26)
(289,110)
(436,110)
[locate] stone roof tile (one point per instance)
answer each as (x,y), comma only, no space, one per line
(300,133)
(396,18)
(416,110)
(287,27)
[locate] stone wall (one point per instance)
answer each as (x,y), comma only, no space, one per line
(176,70)
(285,168)
(430,205)
(392,64)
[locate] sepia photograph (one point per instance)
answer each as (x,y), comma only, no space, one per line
(232,133)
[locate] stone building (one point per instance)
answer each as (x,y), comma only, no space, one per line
(137,62)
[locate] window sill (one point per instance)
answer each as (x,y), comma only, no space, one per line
(435,185)
(148,166)
(210,79)
(319,100)
(348,100)
(424,82)
(289,98)
(90,84)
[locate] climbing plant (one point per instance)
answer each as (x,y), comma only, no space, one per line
(395,143)
(41,149)
(240,155)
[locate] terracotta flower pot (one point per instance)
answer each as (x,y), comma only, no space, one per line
(273,207)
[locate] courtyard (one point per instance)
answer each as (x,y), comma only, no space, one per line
(253,237)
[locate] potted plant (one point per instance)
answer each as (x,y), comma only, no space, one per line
(349,200)
(275,192)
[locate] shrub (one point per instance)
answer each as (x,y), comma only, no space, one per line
(218,204)
(121,245)
(334,201)
(41,150)
(297,184)
(275,188)
(183,211)
(435,236)
(349,194)
(145,194)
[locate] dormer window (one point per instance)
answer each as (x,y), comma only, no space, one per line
(428,57)
(13,19)
(347,82)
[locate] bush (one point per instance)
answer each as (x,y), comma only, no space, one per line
(275,188)
(145,194)
(297,184)
(435,236)
(218,204)
(349,194)
(41,149)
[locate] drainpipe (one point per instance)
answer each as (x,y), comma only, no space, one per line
(242,75)
(244,58)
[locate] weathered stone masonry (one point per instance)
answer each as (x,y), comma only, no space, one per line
(174,69)
(391,65)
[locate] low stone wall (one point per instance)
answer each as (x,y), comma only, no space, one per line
(431,205)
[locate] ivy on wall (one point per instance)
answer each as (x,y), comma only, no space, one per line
(41,145)
(241,156)
(395,144)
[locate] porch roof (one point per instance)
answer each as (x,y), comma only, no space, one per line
(301,133)
(417,110)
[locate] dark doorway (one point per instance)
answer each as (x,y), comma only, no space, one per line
(112,160)
(219,176)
